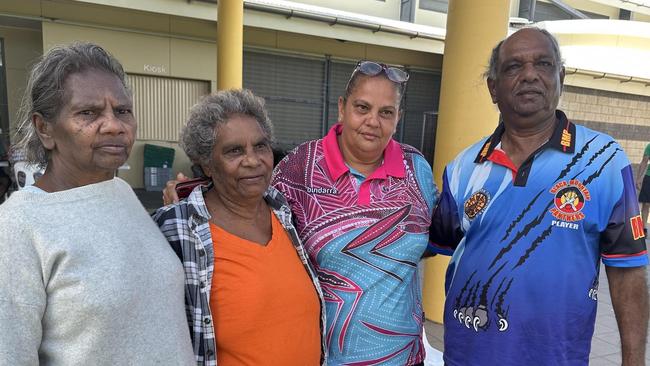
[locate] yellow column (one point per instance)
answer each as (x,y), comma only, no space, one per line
(230,43)
(466,112)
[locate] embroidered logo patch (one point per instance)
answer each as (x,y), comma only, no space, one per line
(637,227)
(570,199)
(476,203)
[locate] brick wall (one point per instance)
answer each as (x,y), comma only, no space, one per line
(625,117)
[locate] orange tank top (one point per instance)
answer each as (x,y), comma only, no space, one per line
(263,303)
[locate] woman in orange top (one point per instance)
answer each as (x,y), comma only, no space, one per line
(252,297)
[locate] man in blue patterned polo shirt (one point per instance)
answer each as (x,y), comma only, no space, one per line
(531,212)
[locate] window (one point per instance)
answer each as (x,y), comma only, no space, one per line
(546,11)
(407,11)
(435,5)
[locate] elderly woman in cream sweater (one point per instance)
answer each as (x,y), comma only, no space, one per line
(86,278)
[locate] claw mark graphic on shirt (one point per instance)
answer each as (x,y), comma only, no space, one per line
(593,290)
(475,315)
(462,292)
(483,299)
(529,226)
(521,215)
(501,314)
(538,240)
(602,167)
(481,318)
(503,280)
(575,159)
(460,314)
(599,152)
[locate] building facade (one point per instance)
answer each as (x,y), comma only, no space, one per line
(298,55)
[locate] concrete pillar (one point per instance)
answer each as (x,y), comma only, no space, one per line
(230,44)
(466,111)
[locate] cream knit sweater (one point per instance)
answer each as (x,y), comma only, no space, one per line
(86,278)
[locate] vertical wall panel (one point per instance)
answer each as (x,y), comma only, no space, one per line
(162,104)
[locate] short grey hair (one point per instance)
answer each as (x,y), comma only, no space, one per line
(201,130)
(491,70)
(46,95)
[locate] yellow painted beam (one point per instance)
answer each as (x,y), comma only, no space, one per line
(230,44)
(466,113)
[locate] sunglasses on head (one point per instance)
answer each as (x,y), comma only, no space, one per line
(373,69)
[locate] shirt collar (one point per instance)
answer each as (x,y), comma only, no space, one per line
(392,164)
(196,203)
(563,138)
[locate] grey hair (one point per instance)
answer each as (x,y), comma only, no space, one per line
(201,130)
(46,95)
(493,64)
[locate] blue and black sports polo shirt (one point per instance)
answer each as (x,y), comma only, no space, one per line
(522,284)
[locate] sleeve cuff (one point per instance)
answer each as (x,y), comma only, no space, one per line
(634,260)
(437,249)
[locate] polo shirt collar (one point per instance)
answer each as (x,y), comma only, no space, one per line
(392,164)
(563,138)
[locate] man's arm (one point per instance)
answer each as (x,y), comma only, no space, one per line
(629,291)
(445,231)
(641,172)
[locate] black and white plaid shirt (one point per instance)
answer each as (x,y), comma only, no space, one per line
(186,226)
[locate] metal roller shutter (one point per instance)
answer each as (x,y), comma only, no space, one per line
(338,80)
(293,88)
(162,104)
(421,104)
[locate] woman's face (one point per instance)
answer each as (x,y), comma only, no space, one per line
(95,129)
(242,159)
(369,117)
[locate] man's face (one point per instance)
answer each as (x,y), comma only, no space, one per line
(528,80)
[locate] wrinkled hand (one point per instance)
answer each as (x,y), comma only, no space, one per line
(169,193)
